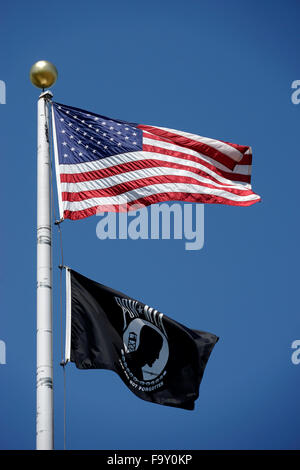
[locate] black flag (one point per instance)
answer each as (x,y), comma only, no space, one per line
(159,359)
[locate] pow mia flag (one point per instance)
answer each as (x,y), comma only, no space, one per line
(159,359)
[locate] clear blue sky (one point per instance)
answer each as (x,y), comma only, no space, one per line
(221,69)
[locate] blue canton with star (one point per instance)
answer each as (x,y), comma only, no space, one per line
(83,136)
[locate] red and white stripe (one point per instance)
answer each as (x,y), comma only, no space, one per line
(173,165)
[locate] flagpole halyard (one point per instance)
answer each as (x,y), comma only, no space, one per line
(56,159)
(68,317)
(42,75)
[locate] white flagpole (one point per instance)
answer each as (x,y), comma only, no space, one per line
(44,385)
(43,74)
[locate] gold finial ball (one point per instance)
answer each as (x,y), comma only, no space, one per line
(43,74)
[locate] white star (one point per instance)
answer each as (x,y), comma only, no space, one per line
(103,123)
(134,133)
(96,119)
(86,146)
(62,119)
(71,137)
(92,138)
(97,130)
(83,121)
(104,133)
(105,146)
(111,128)
(64,144)
(134,143)
(65,155)
(119,144)
(111,139)
(68,112)
(98,142)
(80,154)
(79,141)
(84,133)
(118,132)
(75,117)
(90,125)
(77,128)
(126,128)
(94,151)
(70,124)
(63,132)
(126,138)
(73,148)
(59,107)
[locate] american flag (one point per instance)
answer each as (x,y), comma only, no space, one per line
(102,162)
